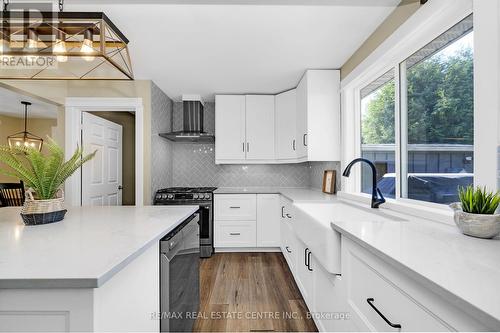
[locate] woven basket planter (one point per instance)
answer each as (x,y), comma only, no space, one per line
(37,212)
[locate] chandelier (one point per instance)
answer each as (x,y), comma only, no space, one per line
(62,46)
(25,138)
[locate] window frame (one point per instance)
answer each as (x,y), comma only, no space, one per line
(429,22)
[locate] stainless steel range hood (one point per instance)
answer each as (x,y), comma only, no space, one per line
(192,130)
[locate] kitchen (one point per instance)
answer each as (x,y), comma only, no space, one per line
(253,177)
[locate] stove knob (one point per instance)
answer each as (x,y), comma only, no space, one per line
(163,196)
(170,196)
(195,196)
(207,196)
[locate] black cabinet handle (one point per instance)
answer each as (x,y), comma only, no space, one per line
(370,301)
(309,261)
(287,249)
(304,140)
(235,207)
(243,147)
(283,211)
(293,145)
(305,256)
(289,216)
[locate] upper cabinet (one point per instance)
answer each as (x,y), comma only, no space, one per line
(260,127)
(230,127)
(318,110)
(287,145)
(244,129)
(298,125)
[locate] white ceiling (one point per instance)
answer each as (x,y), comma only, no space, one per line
(246,47)
(11,106)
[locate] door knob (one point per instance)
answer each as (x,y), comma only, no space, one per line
(120,187)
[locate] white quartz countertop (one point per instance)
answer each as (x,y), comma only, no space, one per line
(85,249)
(464,269)
(295,194)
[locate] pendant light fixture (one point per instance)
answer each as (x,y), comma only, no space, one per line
(66,46)
(25,138)
(87,45)
(60,47)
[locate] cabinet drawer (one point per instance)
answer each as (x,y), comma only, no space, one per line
(232,207)
(369,291)
(235,234)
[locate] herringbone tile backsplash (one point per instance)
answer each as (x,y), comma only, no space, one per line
(194,164)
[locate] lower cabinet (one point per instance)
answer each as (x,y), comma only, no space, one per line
(381,298)
(246,221)
(235,234)
(304,272)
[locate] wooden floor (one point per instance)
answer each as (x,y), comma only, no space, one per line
(250,292)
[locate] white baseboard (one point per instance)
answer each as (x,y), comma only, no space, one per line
(246,249)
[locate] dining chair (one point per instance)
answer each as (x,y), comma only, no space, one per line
(11,194)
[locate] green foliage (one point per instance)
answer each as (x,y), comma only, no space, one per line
(478,201)
(440,103)
(45,174)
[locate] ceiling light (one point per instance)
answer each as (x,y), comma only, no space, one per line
(87,45)
(25,138)
(60,47)
(69,45)
(4,40)
(32,41)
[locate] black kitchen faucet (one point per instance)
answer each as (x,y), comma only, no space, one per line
(377,197)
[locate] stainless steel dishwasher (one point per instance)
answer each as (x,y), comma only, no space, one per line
(179,276)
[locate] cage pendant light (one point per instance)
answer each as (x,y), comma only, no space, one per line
(62,46)
(25,138)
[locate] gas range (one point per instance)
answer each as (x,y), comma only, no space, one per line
(199,196)
(185,195)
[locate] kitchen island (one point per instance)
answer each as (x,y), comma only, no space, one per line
(97,270)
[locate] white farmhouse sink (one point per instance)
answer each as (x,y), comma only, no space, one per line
(312,226)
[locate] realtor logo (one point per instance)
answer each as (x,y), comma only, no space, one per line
(15,42)
(28,62)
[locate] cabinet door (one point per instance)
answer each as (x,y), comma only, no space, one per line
(305,278)
(286,114)
(229,127)
(260,127)
(301,116)
(268,220)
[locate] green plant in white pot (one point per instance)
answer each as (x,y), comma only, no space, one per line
(475,214)
(43,176)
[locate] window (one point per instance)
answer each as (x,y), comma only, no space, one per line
(437,92)
(434,144)
(377,133)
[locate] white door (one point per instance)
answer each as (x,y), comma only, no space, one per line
(268,220)
(301,125)
(260,127)
(230,127)
(286,120)
(101,176)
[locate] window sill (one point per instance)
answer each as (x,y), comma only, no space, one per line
(429,211)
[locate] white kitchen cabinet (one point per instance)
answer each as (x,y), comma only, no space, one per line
(301,118)
(268,220)
(318,115)
(286,126)
(400,299)
(247,221)
(260,127)
(230,127)
(235,234)
(231,207)
(305,278)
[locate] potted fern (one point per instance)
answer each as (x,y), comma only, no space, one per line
(475,214)
(43,176)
